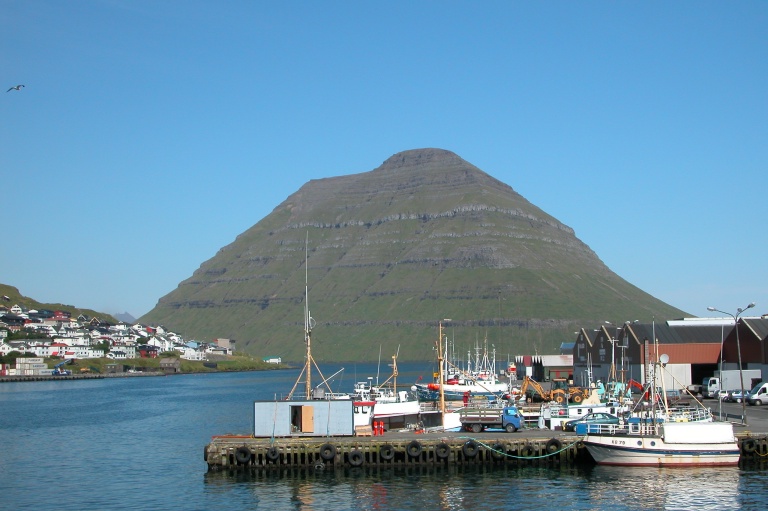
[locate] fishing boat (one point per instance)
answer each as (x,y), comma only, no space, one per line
(479,378)
(395,408)
(656,443)
(660,436)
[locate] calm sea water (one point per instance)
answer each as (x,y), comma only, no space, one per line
(137,443)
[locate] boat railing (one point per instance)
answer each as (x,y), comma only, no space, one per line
(606,429)
(690,414)
(322,396)
(645,427)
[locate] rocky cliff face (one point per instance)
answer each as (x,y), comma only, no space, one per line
(390,252)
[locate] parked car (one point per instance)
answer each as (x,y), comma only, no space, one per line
(722,395)
(734,396)
(592,418)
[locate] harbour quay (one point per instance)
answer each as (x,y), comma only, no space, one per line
(540,448)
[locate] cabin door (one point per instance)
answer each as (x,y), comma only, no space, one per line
(302,419)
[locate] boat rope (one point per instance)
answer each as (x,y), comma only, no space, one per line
(490,448)
(274,423)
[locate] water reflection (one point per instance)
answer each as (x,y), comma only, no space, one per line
(478,488)
(669,488)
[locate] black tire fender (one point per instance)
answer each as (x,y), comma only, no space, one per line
(387,452)
(527,451)
(749,445)
(273,453)
(498,451)
(442,451)
(327,451)
(553,445)
(355,457)
(470,449)
(243,455)
(413,449)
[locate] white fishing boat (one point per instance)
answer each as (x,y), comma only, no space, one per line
(479,378)
(395,408)
(656,443)
(362,412)
(660,437)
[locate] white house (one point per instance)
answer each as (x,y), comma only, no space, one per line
(161,343)
(191,353)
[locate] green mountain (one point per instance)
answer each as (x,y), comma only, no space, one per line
(11,296)
(391,252)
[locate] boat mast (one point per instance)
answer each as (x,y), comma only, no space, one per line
(307,336)
(441,370)
(394,370)
(307,320)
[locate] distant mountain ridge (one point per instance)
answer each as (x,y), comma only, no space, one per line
(125,317)
(392,251)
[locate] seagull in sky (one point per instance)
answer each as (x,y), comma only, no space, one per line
(17,87)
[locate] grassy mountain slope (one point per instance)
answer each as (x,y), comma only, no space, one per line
(425,236)
(15,297)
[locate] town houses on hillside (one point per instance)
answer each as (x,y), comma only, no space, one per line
(61,335)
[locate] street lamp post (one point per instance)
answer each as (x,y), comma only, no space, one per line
(719,396)
(738,352)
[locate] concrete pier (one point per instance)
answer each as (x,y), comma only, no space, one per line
(231,452)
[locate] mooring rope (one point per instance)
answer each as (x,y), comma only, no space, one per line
(490,448)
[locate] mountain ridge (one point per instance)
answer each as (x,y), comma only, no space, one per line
(426,235)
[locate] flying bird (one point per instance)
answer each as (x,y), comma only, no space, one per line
(17,87)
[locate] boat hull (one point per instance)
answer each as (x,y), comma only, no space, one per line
(675,444)
(431,392)
(712,455)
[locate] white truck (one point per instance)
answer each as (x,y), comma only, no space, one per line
(730,380)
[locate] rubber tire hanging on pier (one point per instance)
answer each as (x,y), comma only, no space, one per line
(442,451)
(273,454)
(355,457)
(749,445)
(527,451)
(553,445)
(413,449)
(387,452)
(470,449)
(498,451)
(243,455)
(327,451)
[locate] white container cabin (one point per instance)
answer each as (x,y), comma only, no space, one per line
(303,418)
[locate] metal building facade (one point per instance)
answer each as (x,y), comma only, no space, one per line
(303,418)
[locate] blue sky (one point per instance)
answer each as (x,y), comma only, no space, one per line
(151,133)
